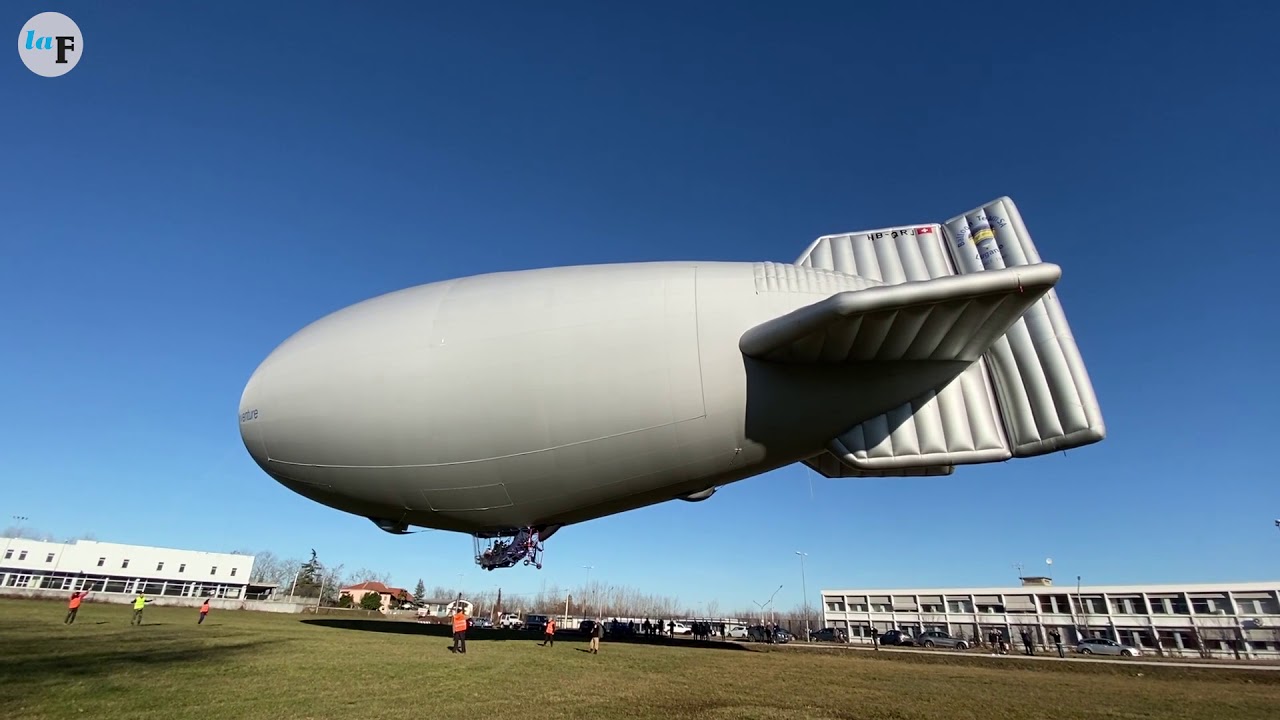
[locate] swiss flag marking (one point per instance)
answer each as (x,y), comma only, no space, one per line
(924,231)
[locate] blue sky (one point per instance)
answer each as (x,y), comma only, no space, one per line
(212,177)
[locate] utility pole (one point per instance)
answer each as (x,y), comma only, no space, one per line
(587,589)
(804,588)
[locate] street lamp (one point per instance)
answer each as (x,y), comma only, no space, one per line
(17,533)
(764,605)
(804,588)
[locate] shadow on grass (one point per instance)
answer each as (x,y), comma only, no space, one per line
(399,627)
(29,668)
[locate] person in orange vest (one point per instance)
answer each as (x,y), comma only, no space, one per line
(73,607)
(204,610)
(459,631)
(549,633)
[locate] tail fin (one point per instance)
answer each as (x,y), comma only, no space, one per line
(1028,395)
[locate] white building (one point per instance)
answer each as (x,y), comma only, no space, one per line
(1219,620)
(111,568)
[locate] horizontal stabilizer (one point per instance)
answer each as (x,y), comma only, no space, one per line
(1029,394)
(948,318)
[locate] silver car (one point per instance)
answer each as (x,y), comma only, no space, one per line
(1103,646)
(938,638)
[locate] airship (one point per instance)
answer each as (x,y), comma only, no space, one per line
(512,404)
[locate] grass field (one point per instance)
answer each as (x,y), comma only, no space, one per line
(257,665)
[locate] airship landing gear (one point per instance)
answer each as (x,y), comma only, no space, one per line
(503,552)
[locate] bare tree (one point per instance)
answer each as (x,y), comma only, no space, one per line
(367,575)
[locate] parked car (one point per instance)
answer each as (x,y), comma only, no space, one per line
(536,623)
(736,631)
(938,638)
(828,635)
(896,637)
(757,633)
(481,622)
(680,629)
(1103,646)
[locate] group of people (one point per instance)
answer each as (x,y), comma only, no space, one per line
(999,645)
(460,624)
(139,604)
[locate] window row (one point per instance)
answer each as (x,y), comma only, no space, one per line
(124,564)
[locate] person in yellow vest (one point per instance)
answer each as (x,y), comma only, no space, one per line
(549,633)
(138,603)
(204,610)
(459,631)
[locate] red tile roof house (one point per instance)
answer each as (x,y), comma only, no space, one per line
(389,594)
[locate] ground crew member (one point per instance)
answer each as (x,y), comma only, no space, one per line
(549,633)
(138,603)
(204,610)
(1057,640)
(73,607)
(597,632)
(459,631)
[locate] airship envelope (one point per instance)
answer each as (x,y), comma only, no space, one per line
(509,405)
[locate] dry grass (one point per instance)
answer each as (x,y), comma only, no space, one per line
(254,665)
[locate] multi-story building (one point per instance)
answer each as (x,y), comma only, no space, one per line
(111,568)
(1220,619)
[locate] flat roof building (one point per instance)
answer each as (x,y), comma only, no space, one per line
(126,569)
(1206,619)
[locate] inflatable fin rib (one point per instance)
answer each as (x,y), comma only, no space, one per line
(1028,394)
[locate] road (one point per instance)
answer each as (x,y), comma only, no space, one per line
(1053,657)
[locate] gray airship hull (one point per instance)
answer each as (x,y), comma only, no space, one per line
(553,396)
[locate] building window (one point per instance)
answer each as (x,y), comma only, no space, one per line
(49,558)
(124,564)
(8,554)
(102,561)
(22,555)
(182,568)
(213,570)
(159,566)
(932,608)
(233,572)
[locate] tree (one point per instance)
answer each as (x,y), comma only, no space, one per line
(371,601)
(367,575)
(344,601)
(420,592)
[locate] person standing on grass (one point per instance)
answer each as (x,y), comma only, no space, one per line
(1026,643)
(549,633)
(204,610)
(597,632)
(73,607)
(138,604)
(459,631)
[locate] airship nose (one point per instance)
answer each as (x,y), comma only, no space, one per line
(251,419)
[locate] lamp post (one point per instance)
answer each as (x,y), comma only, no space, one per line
(17,533)
(804,588)
(769,603)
